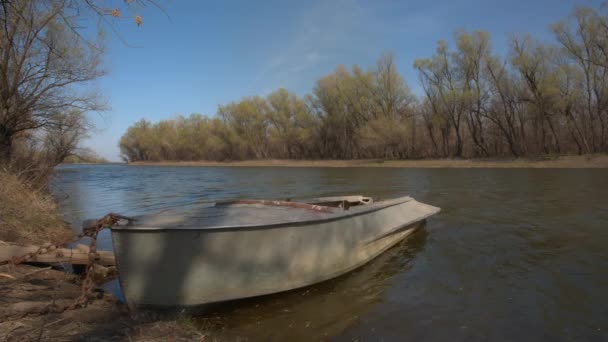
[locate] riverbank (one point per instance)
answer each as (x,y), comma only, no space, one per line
(33,295)
(590,161)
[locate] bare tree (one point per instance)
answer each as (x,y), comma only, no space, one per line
(532,61)
(470,58)
(505,110)
(44,65)
(585,41)
(62,138)
(438,76)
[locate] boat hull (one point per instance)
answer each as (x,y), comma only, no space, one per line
(188,267)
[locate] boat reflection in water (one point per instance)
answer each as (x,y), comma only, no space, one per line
(315,312)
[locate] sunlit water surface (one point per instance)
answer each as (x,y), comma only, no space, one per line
(515,255)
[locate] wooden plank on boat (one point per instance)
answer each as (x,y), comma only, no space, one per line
(78,255)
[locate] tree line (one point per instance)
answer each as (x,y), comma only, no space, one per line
(539,99)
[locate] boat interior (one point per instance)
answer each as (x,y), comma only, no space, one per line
(343,202)
(246,212)
(321,204)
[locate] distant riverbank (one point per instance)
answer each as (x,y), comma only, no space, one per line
(592,161)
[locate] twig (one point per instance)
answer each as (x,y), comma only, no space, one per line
(41,333)
(10,333)
(55,322)
(32,273)
(7,276)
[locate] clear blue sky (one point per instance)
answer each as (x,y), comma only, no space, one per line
(212,52)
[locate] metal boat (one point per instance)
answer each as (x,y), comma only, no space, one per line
(243,248)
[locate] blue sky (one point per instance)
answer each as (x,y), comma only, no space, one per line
(212,52)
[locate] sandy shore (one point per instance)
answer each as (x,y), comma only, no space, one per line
(593,161)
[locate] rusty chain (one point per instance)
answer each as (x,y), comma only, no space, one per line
(88,285)
(44,248)
(88,293)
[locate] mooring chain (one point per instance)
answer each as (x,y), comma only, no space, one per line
(88,284)
(107,221)
(31,256)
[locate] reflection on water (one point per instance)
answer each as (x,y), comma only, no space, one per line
(514,254)
(315,312)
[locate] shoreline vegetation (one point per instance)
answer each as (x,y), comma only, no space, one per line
(85,156)
(589,161)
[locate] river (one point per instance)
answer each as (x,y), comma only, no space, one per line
(515,254)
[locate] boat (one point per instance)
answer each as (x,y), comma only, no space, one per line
(235,249)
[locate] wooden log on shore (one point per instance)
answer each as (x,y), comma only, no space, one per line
(78,255)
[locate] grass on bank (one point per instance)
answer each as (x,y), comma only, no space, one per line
(27,215)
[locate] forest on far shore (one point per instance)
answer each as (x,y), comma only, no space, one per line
(543,98)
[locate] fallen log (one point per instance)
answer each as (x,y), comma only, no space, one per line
(78,255)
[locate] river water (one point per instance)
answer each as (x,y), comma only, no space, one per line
(515,254)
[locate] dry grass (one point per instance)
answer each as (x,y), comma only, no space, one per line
(591,161)
(28,215)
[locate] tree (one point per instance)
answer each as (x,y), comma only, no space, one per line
(390,92)
(539,89)
(389,130)
(439,81)
(584,39)
(342,101)
(134,144)
(248,125)
(63,137)
(291,125)
(470,60)
(505,110)
(43,67)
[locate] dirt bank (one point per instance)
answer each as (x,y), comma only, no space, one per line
(30,289)
(592,161)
